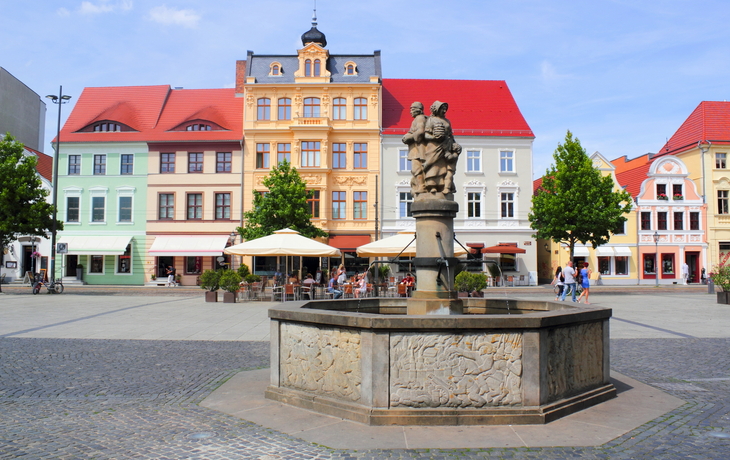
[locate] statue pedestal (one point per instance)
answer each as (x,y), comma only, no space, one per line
(435,263)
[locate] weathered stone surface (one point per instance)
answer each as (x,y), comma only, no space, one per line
(575,359)
(321,360)
(456,370)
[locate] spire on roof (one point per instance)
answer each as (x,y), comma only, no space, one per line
(313,35)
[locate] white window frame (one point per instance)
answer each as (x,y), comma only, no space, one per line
(475,187)
(98,192)
(403,187)
(475,158)
(103,265)
(508,187)
(125,192)
(72,192)
(512,161)
(403,160)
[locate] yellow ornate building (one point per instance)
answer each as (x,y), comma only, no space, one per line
(320,112)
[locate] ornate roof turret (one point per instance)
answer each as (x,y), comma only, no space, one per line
(313,35)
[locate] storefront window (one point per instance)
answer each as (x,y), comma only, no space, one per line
(193,265)
(97,264)
(604,265)
(622,265)
(649,264)
(124,262)
(667,264)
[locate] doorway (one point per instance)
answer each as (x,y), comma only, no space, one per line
(72,262)
(693,261)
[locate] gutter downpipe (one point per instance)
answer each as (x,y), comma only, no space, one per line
(703,150)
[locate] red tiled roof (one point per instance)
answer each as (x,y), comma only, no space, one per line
(476,107)
(631,179)
(710,121)
(44,165)
(153,111)
(536,184)
(622,164)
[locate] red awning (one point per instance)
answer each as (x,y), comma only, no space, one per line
(475,248)
(348,242)
(507,248)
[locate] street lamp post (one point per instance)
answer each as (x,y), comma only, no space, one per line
(60,100)
(656,258)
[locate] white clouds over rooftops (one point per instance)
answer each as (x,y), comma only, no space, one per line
(105,7)
(168,16)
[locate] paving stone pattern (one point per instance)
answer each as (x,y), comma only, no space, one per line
(129,399)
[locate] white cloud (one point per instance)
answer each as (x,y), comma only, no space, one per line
(168,16)
(63,12)
(105,7)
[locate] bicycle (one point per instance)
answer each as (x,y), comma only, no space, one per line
(55,287)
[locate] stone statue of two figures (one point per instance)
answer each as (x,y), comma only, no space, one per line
(433,153)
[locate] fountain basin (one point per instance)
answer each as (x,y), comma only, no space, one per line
(504,361)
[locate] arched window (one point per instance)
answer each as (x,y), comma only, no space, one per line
(339,108)
(308,68)
(361,108)
(317,66)
(350,69)
(275,69)
(263,109)
(311,107)
(284,108)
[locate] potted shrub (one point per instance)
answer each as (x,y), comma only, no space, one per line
(251,278)
(230,282)
(478,283)
(210,281)
(720,276)
(244,271)
(462,283)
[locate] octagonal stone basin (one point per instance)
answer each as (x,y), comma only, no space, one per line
(504,361)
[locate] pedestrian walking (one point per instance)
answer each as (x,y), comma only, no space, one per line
(569,274)
(585,282)
(559,281)
(171,276)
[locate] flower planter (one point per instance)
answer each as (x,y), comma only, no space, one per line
(723,297)
(463,294)
(211,296)
(229,297)
(477,294)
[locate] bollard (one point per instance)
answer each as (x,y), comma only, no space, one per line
(710,286)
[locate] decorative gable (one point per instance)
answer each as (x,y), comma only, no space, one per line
(312,65)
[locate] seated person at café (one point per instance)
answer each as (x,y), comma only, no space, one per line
(362,286)
(332,286)
(409,280)
(307,285)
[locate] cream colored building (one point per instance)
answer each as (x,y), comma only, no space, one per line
(321,113)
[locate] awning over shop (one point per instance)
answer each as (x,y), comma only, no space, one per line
(622,251)
(503,248)
(348,242)
(189,245)
(96,245)
(580,251)
(604,251)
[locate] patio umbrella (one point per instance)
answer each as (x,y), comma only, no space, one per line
(285,242)
(393,245)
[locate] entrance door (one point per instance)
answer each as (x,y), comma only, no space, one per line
(162,264)
(72,261)
(693,260)
(28,260)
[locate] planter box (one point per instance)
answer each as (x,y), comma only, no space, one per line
(723,297)
(211,296)
(229,297)
(463,294)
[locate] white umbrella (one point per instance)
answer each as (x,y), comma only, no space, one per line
(286,242)
(393,245)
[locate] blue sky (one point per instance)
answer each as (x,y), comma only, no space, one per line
(621,75)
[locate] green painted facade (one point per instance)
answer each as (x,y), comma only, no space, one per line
(84,185)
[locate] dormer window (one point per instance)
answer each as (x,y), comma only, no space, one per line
(308,68)
(275,69)
(350,68)
(107,126)
(198,127)
(317,67)
(312,69)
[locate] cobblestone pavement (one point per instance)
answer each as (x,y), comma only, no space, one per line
(130,399)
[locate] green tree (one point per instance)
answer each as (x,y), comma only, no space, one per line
(283,206)
(575,202)
(23,206)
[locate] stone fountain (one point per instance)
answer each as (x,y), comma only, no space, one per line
(435,359)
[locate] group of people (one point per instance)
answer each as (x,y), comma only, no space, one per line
(338,279)
(566,279)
